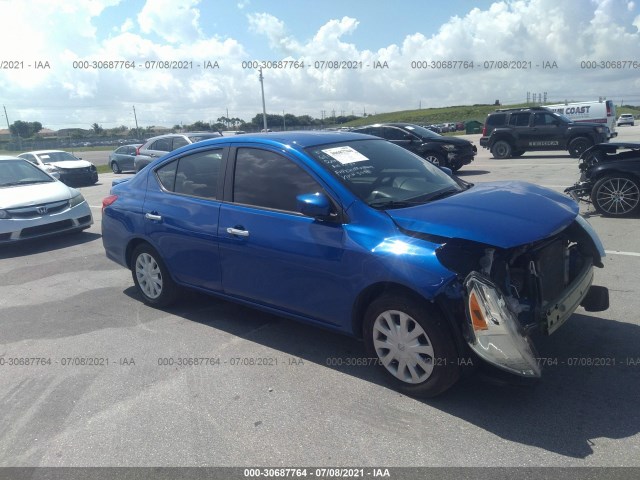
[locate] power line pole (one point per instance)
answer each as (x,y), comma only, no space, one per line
(264,108)
(7,117)
(136,119)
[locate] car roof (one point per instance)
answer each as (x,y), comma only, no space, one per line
(38,152)
(9,157)
(299,139)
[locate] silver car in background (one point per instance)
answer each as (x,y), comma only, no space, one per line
(34,204)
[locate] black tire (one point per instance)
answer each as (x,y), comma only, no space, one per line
(517,153)
(435,366)
(616,195)
(151,277)
(436,158)
(501,149)
(579,145)
(115,168)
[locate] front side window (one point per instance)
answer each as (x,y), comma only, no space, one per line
(266,179)
(179,142)
(392,133)
(544,119)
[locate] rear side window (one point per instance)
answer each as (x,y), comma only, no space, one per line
(195,175)
(266,179)
(497,120)
(519,119)
(162,144)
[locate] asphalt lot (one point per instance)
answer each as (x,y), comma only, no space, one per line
(61,299)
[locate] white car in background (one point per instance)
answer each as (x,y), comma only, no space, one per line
(626,119)
(34,204)
(70,169)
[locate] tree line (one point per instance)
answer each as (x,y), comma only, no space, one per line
(275,122)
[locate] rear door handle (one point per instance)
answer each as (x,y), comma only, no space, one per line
(238,232)
(153,216)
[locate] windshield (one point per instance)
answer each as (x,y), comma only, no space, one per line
(562,117)
(421,131)
(56,157)
(384,175)
(21,172)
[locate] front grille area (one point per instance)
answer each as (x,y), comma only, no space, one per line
(552,266)
(32,211)
(85,219)
(44,229)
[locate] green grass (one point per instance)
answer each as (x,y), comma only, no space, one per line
(104,168)
(461,113)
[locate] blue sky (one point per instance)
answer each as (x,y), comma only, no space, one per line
(531,33)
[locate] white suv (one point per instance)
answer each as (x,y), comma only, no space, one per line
(625,119)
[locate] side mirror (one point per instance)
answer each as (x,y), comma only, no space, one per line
(447,170)
(315,205)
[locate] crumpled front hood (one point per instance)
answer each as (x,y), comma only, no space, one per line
(71,164)
(502,214)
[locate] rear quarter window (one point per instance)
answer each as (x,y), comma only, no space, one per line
(497,120)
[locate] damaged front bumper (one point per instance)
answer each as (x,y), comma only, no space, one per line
(581,191)
(495,334)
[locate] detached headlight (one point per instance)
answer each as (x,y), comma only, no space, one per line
(495,333)
(4,215)
(76,200)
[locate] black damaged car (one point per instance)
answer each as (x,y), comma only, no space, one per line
(610,179)
(450,152)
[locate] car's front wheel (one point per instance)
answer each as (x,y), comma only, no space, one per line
(412,343)
(151,277)
(435,158)
(579,145)
(115,168)
(501,149)
(616,195)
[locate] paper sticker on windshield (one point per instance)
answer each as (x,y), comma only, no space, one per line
(345,155)
(44,156)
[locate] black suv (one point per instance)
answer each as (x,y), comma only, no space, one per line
(448,152)
(511,132)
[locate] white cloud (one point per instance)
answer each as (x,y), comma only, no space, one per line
(175,22)
(526,31)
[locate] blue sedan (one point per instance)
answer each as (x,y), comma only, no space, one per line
(355,234)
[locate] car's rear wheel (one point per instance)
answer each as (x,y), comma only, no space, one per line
(151,277)
(412,343)
(115,168)
(501,149)
(579,145)
(435,158)
(616,195)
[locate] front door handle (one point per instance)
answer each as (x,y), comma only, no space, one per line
(153,216)
(238,232)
